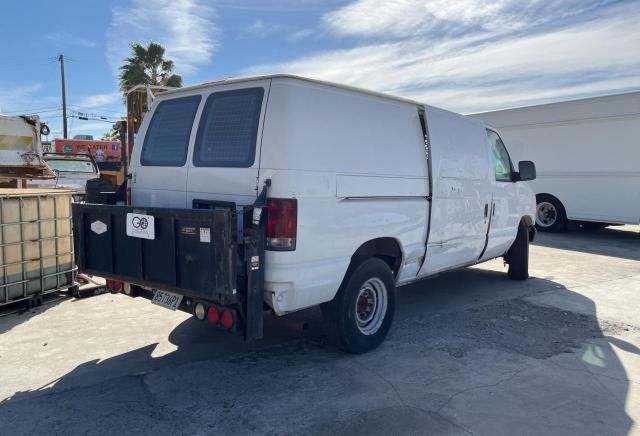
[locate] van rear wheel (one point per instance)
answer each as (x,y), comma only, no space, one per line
(518,255)
(360,315)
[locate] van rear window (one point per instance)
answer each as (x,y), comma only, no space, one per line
(167,138)
(228,129)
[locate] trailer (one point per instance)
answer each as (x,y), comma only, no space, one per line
(207,264)
(587,156)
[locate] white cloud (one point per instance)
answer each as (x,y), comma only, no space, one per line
(24,99)
(261,29)
(301,34)
(69,38)
(186,28)
(98,100)
(402,18)
(476,73)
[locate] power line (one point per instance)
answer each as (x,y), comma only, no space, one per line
(32,111)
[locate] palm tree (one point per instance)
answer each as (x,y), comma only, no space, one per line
(112,135)
(147,66)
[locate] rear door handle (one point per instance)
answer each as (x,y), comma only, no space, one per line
(486,210)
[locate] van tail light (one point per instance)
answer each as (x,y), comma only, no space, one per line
(282,223)
(127,200)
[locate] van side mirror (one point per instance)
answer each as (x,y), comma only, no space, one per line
(526,170)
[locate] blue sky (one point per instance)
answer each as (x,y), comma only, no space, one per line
(464,55)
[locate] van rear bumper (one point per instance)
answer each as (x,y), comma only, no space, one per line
(296,286)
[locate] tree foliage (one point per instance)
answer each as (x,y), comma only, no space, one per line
(112,135)
(147,66)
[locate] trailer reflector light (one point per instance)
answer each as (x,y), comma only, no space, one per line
(213,316)
(199,311)
(226,320)
(114,285)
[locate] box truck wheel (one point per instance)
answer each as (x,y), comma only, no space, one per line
(360,315)
(550,214)
(518,255)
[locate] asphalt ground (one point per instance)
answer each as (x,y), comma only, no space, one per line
(470,352)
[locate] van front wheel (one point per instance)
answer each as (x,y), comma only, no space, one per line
(359,317)
(550,214)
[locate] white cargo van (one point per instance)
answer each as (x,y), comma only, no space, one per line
(354,192)
(587,154)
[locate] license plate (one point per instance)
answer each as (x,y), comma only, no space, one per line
(141,226)
(167,299)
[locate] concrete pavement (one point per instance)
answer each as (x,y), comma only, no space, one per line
(470,352)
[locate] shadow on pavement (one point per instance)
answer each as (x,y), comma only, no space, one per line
(466,354)
(611,241)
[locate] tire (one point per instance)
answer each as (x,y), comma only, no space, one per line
(74,291)
(550,214)
(518,255)
(370,286)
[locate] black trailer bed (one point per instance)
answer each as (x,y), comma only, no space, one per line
(194,252)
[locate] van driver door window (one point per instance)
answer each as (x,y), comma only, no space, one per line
(504,223)
(501,161)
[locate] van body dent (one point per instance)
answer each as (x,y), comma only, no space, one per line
(364,191)
(586,152)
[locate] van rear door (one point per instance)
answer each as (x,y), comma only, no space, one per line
(160,176)
(225,157)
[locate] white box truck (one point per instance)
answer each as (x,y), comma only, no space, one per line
(587,154)
(283,193)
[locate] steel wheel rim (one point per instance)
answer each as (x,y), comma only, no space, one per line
(371,306)
(546,214)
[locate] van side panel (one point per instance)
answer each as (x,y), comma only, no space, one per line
(322,128)
(357,165)
(461,190)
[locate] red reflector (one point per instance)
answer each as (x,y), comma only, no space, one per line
(114,285)
(24,183)
(213,316)
(226,320)
(282,223)
(127,200)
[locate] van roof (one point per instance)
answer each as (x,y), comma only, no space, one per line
(230,80)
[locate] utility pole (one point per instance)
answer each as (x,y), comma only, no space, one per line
(64,97)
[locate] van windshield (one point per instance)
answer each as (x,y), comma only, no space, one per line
(167,138)
(228,129)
